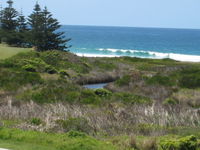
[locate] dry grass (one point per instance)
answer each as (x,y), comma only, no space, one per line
(113,119)
(149,144)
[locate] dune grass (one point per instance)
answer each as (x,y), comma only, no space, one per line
(6,51)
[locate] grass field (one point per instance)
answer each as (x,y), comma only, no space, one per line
(15,139)
(6,51)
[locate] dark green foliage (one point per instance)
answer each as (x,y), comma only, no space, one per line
(104,65)
(185,143)
(89,97)
(125,80)
(36,121)
(190,78)
(51,70)
(75,124)
(75,134)
(131,98)
(13,26)
(160,80)
(22,32)
(9,18)
(43,35)
(63,73)
(170,101)
(12,80)
(52,91)
(103,92)
(29,68)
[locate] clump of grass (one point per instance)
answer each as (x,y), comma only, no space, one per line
(36,121)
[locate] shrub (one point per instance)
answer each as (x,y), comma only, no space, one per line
(160,80)
(190,81)
(74,134)
(36,121)
(103,92)
(29,68)
(75,124)
(72,96)
(89,97)
(104,65)
(49,69)
(185,143)
(170,101)
(12,80)
(64,73)
(125,80)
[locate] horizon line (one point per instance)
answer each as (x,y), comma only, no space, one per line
(131,26)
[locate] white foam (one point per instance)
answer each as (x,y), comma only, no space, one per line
(94,55)
(147,54)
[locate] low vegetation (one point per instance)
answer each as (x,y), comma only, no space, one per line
(144,98)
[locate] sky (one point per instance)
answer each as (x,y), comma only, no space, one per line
(132,13)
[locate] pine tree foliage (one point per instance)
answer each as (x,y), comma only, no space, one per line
(40,31)
(44,31)
(9,24)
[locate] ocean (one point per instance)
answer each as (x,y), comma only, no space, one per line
(158,43)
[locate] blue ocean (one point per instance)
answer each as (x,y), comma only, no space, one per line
(158,43)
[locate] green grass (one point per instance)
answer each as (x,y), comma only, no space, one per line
(6,52)
(16,139)
(22,146)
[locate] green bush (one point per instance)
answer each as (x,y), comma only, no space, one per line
(125,80)
(72,96)
(74,134)
(12,80)
(36,121)
(29,68)
(104,65)
(103,92)
(160,80)
(190,81)
(75,124)
(64,73)
(52,91)
(185,143)
(51,70)
(89,97)
(170,101)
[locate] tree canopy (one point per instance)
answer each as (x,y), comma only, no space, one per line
(39,30)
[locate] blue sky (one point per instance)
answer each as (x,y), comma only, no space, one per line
(136,13)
